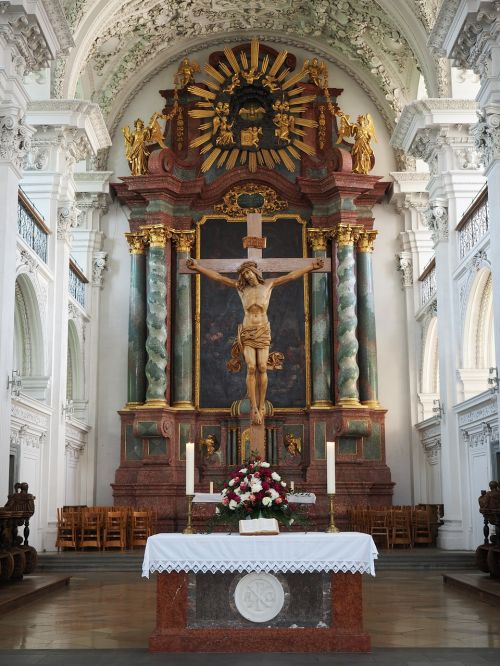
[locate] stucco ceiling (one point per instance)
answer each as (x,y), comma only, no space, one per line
(121,44)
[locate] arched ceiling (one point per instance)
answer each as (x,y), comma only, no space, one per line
(121,44)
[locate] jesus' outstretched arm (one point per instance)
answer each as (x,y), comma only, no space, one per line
(294,275)
(193,265)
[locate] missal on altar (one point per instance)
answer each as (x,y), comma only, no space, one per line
(258,526)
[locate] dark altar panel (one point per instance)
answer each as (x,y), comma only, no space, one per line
(221,312)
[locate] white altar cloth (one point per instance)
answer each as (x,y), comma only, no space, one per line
(293,498)
(296,552)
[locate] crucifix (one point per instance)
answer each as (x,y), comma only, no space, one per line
(254,334)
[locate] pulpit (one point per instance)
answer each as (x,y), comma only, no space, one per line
(294,592)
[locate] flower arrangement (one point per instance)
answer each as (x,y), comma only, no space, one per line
(254,491)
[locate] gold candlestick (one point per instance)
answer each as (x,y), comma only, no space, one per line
(331,527)
(189,527)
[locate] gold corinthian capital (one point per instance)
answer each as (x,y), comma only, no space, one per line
(183,240)
(157,235)
(366,240)
(136,242)
(318,238)
(347,234)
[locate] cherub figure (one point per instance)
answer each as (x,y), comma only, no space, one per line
(185,73)
(284,125)
(317,71)
(269,82)
(136,143)
(235,83)
(363,131)
(221,125)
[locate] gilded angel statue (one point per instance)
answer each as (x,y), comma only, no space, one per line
(136,143)
(185,73)
(317,71)
(363,131)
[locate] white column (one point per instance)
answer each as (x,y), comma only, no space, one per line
(411,199)
(438,132)
(67,132)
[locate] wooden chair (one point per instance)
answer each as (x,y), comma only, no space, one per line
(140,528)
(401,529)
(67,529)
(91,529)
(379,528)
(422,532)
(115,529)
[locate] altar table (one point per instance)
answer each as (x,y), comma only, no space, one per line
(294,592)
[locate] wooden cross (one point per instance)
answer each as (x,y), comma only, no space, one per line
(254,243)
(254,231)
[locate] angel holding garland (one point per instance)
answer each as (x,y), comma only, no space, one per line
(363,131)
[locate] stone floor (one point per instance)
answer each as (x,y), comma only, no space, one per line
(413,618)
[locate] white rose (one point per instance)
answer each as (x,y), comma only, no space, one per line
(275,476)
(231,483)
(224,492)
(233,504)
(256,486)
(244,496)
(244,471)
(266,501)
(273,494)
(264,464)
(283,484)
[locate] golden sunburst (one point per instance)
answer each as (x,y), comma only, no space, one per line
(219,144)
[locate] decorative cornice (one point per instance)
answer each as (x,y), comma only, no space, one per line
(431,113)
(59,24)
(81,115)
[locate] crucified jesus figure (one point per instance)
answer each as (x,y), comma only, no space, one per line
(254,334)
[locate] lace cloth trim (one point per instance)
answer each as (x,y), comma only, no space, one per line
(216,566)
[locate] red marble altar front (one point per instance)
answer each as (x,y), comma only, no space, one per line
(345,633)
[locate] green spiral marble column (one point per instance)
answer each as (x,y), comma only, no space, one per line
(348,371)
(156,317)
(321,364)
(367,355)
(183,331)
(136,376)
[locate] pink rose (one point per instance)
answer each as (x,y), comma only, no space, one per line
(278,500)
(251,498)
(225,501)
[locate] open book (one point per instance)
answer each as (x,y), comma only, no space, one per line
(259,526)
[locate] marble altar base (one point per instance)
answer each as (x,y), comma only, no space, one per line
(181,626)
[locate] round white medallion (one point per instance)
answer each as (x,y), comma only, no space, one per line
(259,597)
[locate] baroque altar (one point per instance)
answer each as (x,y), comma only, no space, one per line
(260,135)
(287,593)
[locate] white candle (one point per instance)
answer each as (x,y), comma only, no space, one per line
(190,468)
(330,468)
(211,487)
(292,486)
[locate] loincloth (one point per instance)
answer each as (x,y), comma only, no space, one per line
(256,337)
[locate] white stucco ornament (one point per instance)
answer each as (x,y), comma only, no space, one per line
(259,597)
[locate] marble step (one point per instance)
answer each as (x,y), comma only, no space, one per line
(397,560)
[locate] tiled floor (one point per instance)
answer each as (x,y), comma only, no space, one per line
(407,614)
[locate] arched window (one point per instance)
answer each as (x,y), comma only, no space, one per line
(28,351)
(74,373)
(430,359)
(478,339)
